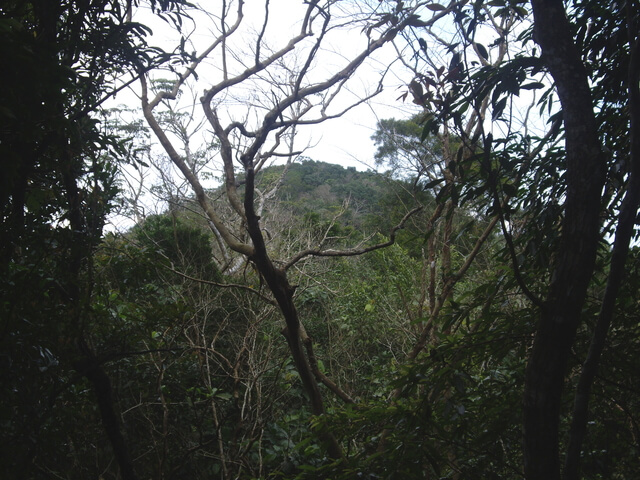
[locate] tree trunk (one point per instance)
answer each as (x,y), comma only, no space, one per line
(101,384)
(574,264)
(88,366)
(283,293)
(624,234)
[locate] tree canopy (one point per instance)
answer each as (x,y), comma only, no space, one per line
(466,308)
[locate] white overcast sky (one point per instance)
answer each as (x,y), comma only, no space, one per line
(347,140)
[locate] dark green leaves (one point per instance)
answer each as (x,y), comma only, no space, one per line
(482,51)
(498,108)
(436,7)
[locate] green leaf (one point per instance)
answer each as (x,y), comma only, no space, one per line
(482,51)
(510,189)
(498,108)
(430,126)
(521,11)
(433,183)
(532,86)
(436,7)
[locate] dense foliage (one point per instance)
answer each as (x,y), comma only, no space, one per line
(471,312)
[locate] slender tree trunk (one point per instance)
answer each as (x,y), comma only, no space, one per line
(624,233)
(101,384)
(575,261)
(88,366)
(283,293)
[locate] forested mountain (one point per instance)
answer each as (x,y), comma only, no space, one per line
(321,187)
(363,202)
(472,313)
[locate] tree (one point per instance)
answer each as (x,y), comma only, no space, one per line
(191,361)
(57,189)
(581,234)
(587,186)
(160,343)
(289,93)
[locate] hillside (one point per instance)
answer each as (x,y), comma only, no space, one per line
(318,191)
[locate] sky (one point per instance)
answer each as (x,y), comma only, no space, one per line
(345,141)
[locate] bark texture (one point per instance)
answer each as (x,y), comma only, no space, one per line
(573,267)
(624,234)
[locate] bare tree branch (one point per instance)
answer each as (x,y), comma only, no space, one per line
(350,252)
